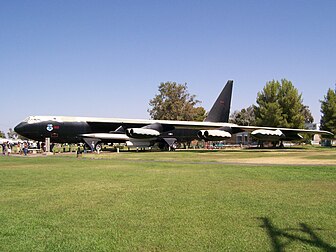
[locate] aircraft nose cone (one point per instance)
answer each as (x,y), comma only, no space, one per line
(20,128)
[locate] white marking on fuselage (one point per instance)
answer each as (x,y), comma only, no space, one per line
(177,124)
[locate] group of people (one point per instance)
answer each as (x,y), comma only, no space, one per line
(22,148)
(6,148)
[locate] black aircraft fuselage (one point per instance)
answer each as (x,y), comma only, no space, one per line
(59,132)
(72,131)
(145,133)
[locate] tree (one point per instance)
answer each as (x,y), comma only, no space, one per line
(328,110)
(243,117)
(2,134)
(173,102)
(199,114)
(11,134)
(308,117)
(279,105)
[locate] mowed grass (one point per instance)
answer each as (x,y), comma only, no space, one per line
(61,203)
(308,156)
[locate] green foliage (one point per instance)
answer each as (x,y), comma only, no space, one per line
(199,114)
(243,117)
(279,105)
(173,102)
(328,110)
(2,134)
(307,114)
(11,134)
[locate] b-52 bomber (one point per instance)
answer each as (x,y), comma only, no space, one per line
(145,133)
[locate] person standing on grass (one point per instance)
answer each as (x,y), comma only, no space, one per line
(6,148)
(3,148)
(25,148)
(20,148)
(9,148)
(79,151)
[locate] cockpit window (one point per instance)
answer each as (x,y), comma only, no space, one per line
(33,119)
(38,119)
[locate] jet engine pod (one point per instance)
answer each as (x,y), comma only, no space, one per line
(268,135)
(200,134)
(142,133)
(213,135)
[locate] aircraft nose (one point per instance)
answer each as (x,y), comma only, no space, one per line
(20,127)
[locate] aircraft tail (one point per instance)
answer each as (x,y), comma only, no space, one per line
(220,111)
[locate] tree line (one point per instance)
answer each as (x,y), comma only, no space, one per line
(278,104)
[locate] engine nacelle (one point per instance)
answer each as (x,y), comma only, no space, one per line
(268,135)
(142,133)
(213,135)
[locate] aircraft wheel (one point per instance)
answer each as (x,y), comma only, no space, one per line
(281,145)
(164,146)
(98,147)
(173,146)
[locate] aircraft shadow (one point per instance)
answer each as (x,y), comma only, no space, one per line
(276,236)
(254,150)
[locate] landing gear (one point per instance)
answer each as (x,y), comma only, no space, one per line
(173,146)
(164,146)
(94,144)
(281,146)
(260,144)
(98,147)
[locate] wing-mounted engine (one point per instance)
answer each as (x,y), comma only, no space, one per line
(268,135)
(214,135)
(148,131)
(142,133)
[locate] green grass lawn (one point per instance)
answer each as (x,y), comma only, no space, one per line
(61,203)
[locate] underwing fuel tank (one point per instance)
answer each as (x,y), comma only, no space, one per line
(138,143)
(107,136)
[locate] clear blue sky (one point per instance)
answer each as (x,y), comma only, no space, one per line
(107,58)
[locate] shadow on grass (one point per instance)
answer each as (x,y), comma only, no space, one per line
(276,236)
(244,149)
(223,150)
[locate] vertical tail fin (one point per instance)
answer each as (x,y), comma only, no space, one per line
(220,111)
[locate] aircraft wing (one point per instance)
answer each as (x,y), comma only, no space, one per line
(277,134)
(167,125)
(126,130)
(260,133)
(288,130)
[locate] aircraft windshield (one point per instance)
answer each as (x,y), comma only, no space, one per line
(32,119)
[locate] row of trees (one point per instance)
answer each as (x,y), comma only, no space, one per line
(10,134)
(279,104)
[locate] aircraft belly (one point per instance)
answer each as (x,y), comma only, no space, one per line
(181,134)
